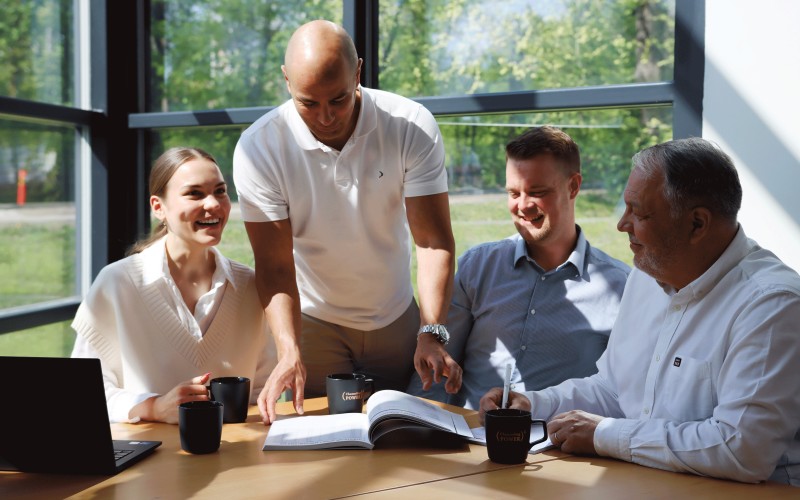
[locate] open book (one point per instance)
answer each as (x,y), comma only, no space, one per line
(387,411)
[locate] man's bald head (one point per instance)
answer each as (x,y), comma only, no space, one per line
(322,47)
(323,75)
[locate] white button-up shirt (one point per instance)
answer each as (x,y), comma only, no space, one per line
(703,380)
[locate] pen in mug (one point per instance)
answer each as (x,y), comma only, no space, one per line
(506,385)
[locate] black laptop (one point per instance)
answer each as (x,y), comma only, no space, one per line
(53,418)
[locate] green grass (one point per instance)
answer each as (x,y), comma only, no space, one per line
(54,340)
(235,245)
(37,262)
(37,265)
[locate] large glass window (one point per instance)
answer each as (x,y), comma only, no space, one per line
(583,58)
(37,213)
(36,41)
(210,54)
(450,47)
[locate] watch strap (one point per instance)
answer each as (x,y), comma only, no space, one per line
(438,330)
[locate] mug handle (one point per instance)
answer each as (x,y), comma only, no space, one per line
(369,388)
(544,427)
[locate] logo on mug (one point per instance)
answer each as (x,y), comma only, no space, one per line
(510,437)
(352,396)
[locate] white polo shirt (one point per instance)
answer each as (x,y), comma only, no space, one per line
(352,248)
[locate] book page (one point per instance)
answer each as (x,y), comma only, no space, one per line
(394,404)
(318,432)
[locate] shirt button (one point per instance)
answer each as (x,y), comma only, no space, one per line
(646,411)
(676,308)
(658,358)
(523,347)
(544,278)
(533,311)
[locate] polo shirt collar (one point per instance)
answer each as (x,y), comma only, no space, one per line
(367,115)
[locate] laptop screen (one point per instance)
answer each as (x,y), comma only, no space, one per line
(55,417)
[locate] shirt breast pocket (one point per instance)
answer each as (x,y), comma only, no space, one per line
(688,392)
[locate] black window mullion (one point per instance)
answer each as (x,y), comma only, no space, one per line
(687,115)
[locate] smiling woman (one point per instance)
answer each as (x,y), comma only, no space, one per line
(186,186)
(189,312)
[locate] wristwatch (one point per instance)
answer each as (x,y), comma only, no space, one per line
(438,331)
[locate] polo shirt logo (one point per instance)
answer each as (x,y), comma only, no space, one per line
(677,362)
(381,173)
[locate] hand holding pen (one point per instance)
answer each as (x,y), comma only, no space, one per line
(493,400)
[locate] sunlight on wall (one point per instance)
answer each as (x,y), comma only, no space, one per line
(751,109)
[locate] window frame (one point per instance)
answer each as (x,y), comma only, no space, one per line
(684,93)
(105,95)
(116,122)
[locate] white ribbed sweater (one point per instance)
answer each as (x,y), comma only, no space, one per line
(144,348)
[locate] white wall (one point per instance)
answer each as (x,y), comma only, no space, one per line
(751,108)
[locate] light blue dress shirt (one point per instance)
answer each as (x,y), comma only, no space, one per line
(551,326)
(701,380)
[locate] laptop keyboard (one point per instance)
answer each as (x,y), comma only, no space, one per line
(119,454)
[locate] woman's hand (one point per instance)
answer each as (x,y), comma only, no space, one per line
(165,408)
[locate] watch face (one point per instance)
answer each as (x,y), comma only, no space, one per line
(439,332)
(443,334)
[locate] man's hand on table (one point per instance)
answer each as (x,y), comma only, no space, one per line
(573,432)
(289,373)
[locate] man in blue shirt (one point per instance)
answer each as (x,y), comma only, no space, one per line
(544,300)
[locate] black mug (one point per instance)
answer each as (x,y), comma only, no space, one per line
(200,424)
(347,392)
(234,394)
(508,434)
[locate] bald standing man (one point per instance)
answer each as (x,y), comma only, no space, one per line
(329,185)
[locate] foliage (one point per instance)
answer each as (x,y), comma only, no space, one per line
(429,48)
(471,46)
(215,54)
(36,52)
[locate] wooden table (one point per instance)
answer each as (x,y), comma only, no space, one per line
(240,469)
(577,478)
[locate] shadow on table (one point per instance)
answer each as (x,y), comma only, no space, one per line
(185,477)
(31,485)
